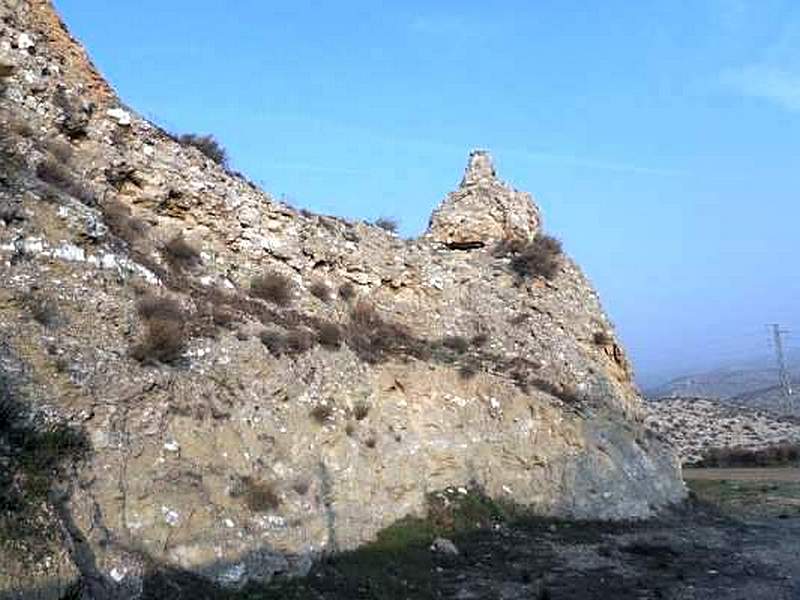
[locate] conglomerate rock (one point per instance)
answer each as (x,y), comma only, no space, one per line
(253,449)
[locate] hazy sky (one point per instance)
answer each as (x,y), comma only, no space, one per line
(661,139)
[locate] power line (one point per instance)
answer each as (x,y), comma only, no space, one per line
(783,375)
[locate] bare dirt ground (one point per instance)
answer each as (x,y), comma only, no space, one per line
(743,474)
(735,539)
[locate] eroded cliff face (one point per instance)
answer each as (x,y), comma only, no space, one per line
(292,424)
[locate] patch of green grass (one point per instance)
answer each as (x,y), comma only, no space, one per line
(750,498)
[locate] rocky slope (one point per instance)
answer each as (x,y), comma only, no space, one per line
(195,374)
(696,425)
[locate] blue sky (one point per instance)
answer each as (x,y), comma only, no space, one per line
(661,139)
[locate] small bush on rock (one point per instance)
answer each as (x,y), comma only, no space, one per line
(601,338)
(164,341)
(456,343)
(387,224)
(347,291)
(122,223)
(320,290)
(272,287)
(540,258)
(260,496)
(161,308)
(208,145)
(180,254)
(330,335)
(322,412)
(62,179)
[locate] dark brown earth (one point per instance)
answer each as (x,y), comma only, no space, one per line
(732,540)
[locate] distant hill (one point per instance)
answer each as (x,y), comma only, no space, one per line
(752,383)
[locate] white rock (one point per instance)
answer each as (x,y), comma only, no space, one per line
(25,41)
(172,446)
(122,117)
(444,546)
(118,574)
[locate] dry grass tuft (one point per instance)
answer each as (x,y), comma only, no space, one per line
(272,287)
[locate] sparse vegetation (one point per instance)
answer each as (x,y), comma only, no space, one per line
(330,335)
(35,455)
(542,257)
(272,287)
(260,496)
(122,223)
(479,340)
(360,410)
(347,291)
(456,343)
(180,254)
(208,145)
(565,393)
(161,308)
(371,441)
(164,341)
(320,290)
(298,341)
(777,455)
(10,211)
(387,224)
(42,307)
(601,338)
(165,335)
(60,178)
(274,341)
(301,487)
(322,412)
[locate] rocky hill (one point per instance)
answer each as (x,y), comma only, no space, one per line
(195,375)
(694,426)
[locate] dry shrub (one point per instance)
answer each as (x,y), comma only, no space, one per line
(43,308)
(260,496)
(223,316)
(322,412)
(59,177)
(208,145)
(542,257)
(165,334)
(781,454)
(360,411)
(161,308)
(479,340)
(371,441)
(164,341)
(10,211)
(180,254)
(601,338)
(330,335)
(372,338)
(122,223)
(388,224)
(298,341)
(274,341)
(456,343)
(350,429)
(59,149)
(301,487)
(320,290)
(347,291)
(565,393)
(272,287)
(468,370)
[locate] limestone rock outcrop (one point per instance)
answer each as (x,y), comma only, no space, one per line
(483,210)
(239,387)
